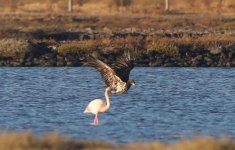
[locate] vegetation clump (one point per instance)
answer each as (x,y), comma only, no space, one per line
(76,47)
(52,141)
(13,48)
(163,47)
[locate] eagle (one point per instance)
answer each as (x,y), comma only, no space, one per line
(116,76)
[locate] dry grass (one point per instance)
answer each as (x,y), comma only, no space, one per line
(162,46)
(168,46)
(27,141)
(150,7)
(13,47)
(52,141)
(77,47)
(16,24)
(203,143)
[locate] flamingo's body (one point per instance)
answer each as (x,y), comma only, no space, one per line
(98,105)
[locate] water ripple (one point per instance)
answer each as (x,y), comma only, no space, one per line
(167,103)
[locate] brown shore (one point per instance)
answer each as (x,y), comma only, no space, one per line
(174,40)
(52,141)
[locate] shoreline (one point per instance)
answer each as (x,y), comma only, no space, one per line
(164,41)
(72,54)
(26,140)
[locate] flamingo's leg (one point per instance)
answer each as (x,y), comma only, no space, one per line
(96,120)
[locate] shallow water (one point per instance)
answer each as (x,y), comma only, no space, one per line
(167,104)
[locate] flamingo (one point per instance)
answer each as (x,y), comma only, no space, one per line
(98,105)
(117,76)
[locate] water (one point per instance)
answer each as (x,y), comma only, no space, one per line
(167,104)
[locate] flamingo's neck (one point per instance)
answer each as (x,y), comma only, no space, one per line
(107,99)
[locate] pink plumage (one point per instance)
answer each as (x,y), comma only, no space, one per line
(98,105)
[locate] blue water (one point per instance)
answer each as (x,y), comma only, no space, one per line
(167,104)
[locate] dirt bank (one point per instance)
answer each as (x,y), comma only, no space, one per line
(26,140)
(167,40)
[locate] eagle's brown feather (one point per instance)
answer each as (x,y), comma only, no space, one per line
(116,77)
(123,66)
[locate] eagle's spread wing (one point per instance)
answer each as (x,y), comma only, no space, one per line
(123,66)
(107,73)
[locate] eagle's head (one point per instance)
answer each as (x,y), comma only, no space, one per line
(132,82)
